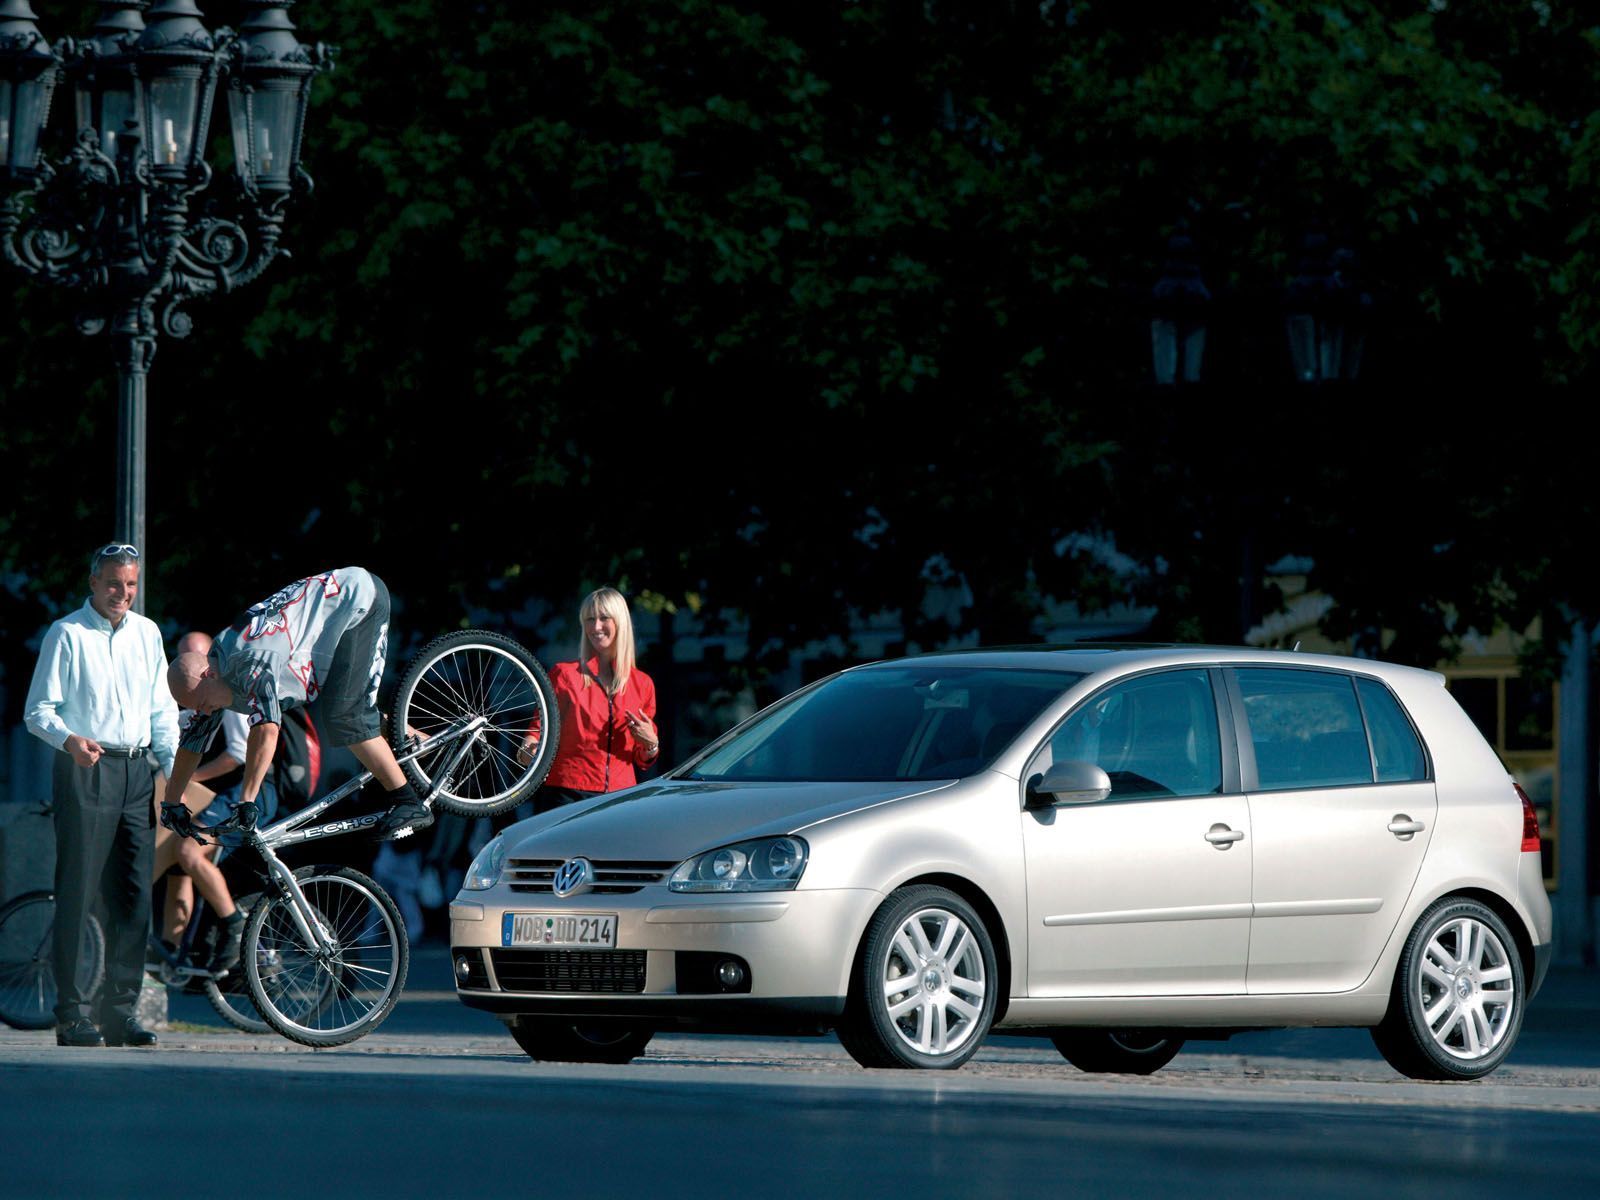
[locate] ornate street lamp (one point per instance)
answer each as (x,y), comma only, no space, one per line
(112,219)
(28,71)
(1326,313)
(1178,304)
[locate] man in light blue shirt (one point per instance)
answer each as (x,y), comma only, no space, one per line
(100,697)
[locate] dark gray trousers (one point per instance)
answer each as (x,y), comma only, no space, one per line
(105,837)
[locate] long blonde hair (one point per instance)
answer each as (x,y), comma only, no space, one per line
(607,602)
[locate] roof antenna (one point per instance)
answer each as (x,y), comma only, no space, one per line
(1295,649)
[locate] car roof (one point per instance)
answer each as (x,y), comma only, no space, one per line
(1117,658)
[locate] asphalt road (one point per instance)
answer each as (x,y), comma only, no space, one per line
(440,1102)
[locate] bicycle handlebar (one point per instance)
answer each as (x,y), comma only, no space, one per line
(242,820)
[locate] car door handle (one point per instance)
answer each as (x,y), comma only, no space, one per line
(1403,827)
(1222,837)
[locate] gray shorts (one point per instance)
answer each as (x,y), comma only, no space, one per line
(349,695)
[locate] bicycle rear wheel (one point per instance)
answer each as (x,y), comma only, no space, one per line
(27,975)
(474,673)
(327,997)
(230,995)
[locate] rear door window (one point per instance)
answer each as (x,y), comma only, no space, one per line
(1305,727)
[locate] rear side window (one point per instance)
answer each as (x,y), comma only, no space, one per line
(1394,741)
(1306,728)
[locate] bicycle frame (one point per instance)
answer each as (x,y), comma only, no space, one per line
(296,828)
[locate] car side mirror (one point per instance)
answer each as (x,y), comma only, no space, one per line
(1069,783)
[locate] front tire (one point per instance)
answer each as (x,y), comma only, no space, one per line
(327,998)
(923,991)
(1459,992)
(1117,1051)
(474,673)
(547,1039)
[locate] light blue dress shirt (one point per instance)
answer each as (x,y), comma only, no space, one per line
(105,683)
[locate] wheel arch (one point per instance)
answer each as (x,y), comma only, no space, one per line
(1495,903)
(1508,914)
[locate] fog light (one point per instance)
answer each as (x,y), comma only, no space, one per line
(463,966)
(730,974)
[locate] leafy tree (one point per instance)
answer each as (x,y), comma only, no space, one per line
(769,307)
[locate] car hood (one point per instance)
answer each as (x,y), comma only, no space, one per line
(675,818)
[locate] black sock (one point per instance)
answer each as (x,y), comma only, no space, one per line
(233,918)
(401,794)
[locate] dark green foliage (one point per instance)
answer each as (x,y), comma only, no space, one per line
(763,306)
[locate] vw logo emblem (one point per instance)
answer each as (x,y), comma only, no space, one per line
(574,878)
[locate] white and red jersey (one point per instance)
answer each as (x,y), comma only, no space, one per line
(277,654)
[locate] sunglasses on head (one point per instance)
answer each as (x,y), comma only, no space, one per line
(114,549)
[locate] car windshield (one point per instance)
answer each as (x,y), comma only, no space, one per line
(888,723)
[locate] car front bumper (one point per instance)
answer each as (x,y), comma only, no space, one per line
(794,948)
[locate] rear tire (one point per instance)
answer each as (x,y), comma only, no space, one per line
(1117,1051)
(474,673)
(27,969)
(548,1039)
(1459,991)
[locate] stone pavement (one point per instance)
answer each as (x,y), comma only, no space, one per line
(1555,1066)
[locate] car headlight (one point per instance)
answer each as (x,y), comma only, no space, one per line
(485,869)
(764,865)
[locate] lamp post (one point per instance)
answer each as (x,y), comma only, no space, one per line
(114,219)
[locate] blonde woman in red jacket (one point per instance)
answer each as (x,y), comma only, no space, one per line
(607,707)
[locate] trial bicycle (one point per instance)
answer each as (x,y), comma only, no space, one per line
(324,952)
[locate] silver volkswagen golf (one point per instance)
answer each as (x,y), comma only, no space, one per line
(1121,849)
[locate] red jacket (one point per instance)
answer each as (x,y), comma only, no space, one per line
(598,752)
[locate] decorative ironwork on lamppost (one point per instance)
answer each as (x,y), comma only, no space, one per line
(1326,312)
(129,217)
(1178,304)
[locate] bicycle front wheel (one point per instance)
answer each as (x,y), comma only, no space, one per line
(340,984)
(478,674)
(27,974)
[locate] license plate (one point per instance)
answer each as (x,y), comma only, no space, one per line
(585,931)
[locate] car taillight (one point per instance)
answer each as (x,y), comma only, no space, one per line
(1530,823)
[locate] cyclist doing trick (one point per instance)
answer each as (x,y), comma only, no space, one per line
(321,638)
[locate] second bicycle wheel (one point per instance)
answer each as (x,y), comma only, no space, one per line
(230,995)
(333,988)
(27,974)
(478,674)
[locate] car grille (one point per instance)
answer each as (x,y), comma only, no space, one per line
(610,878)
(569,970)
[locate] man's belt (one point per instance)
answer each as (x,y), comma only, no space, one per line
(124,751)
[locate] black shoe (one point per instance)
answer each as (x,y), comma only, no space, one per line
(403,820)
(78,1033)
(226,956)
(129,1033)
